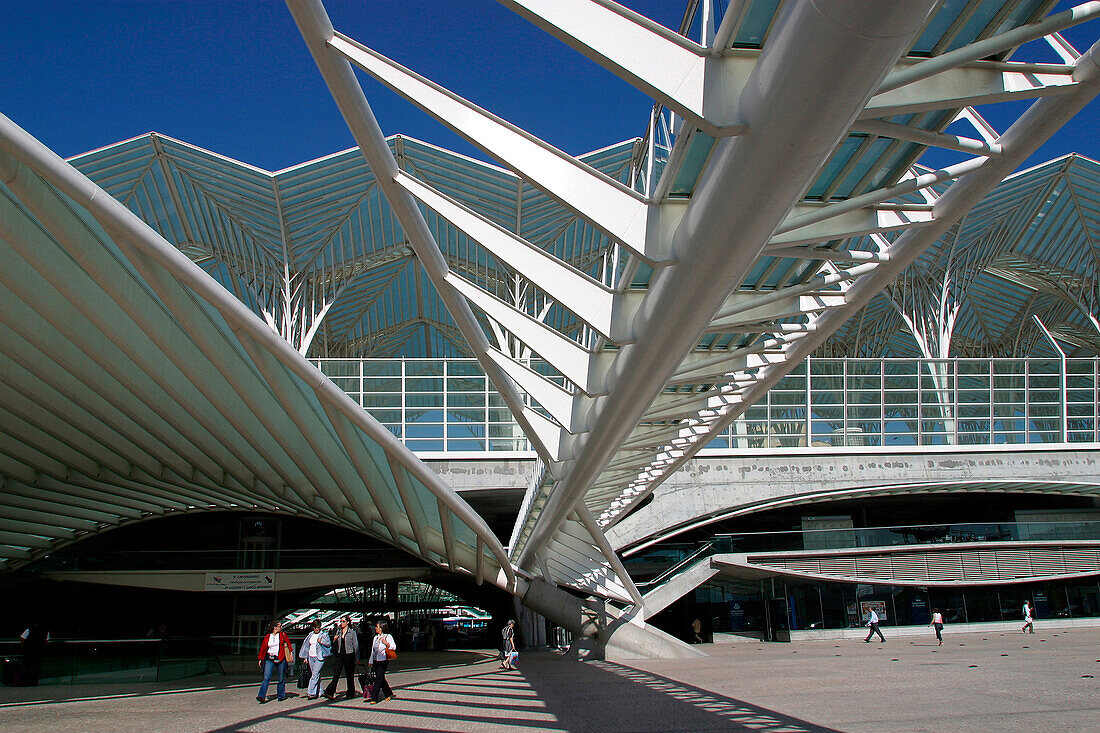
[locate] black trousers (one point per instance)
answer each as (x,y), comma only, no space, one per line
(874,630)
(345,663)
(381,687)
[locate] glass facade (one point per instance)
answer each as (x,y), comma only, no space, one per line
(448,405)
(765,607)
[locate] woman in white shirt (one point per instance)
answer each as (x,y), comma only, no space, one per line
(937,624)
(383,643)
(315,648)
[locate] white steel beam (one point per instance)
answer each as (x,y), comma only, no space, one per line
(589,299)
(1022,139)
(668,67)
(555,400)
(842,225)
(814,77)
(619,211)
(968,86)
(567,356)
(316,29)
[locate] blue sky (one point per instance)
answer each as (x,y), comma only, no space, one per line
(234,76)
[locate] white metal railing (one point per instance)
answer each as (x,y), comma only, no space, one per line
(448,405)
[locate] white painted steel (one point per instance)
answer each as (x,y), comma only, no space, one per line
(317,31)
(795,78)
(135,238)
(589,299)
(606,203)
(1026,135)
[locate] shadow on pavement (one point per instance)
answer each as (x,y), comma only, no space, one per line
(548,693)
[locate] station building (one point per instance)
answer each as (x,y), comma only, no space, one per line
(726,371)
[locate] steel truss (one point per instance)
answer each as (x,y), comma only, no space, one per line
(772,249)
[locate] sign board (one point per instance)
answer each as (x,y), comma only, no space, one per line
(240,581)
(866,606)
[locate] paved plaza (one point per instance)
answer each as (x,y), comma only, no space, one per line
(975,682)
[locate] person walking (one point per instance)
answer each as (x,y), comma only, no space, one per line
(511,654)
(345,648)
(33,643)
(1029,623)
(937,624)
(315,648)
(275,652)
(872,621)
(383,649)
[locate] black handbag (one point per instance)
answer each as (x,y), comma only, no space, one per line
(303,677)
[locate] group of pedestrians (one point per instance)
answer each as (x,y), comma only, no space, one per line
(937,623)
(276,654)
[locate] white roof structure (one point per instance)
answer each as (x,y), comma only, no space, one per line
(664,284)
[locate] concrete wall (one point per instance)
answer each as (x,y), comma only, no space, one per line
(759,479)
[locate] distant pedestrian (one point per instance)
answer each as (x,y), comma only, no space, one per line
(937,624)
(697,631)
(1029,622)
(872,621)
(275,652)
(345,650)
(383,649)
(508,637)
(33,642)
(315,648)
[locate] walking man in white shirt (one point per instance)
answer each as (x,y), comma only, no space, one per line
(872,621)
(1029,624)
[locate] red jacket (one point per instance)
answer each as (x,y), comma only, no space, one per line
(284,642)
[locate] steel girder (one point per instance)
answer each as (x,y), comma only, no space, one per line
(759,265)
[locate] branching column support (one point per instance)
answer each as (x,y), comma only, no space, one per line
(797,105)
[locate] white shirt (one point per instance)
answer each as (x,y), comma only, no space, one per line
(1027,612)
(937,618)
(382,642)
(874,617)
(314,644)
(273,645)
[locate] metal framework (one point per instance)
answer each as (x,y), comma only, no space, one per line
(627,307)
(782,197)
(110,334)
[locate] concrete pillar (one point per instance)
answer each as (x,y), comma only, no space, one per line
(601,631)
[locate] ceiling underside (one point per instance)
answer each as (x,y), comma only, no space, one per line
(129,390)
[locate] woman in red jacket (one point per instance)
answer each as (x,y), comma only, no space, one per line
(275,652)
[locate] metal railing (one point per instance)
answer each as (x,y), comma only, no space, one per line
(449,406)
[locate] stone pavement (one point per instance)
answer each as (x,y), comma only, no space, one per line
(975,682)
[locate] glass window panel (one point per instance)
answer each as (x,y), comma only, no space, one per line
(476,399)
(424,430)
(340,367)
(386,416)
(467,444)
(388,367)
(466,384)
(381,400)
(465,430)
(421,384)
(464,368)
(424,400)
(382,385)
(466,416)
(425,445)
(418,368)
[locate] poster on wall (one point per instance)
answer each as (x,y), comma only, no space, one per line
(866,606)
(240,581)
